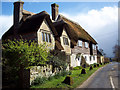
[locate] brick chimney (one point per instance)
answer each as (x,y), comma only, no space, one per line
(18,8)
(55,11)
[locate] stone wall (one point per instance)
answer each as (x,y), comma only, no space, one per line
(43,71)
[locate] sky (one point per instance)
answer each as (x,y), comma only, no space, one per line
(99,19)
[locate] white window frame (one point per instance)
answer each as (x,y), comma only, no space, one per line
(46,37)
(94,46)
(86,44)
(79,43)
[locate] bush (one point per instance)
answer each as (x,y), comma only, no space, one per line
(90,68)
(39,80)
(94,63)
(83,71)
(83,63)
(57,75)
(25,53)
(97,65)
(70,72)
(77,68)
(50,78)
(64,73)
(68,80)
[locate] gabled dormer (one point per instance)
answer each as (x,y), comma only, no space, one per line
(65,41)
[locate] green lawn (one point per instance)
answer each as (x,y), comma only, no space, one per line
(76,76)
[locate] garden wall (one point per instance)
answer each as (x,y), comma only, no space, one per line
(43,71)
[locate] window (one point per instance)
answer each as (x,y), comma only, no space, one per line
(46,37)
(86,44)
(94,47)
(65,41)
(49,38)
(90,58)
(93,57)
(43,37)
(79,43)
(86,58)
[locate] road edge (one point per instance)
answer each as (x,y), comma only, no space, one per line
(82,85)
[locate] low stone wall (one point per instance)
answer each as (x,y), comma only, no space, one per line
(43,71)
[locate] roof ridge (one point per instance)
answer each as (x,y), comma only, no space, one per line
(70,20)
(78,28)
(27,12)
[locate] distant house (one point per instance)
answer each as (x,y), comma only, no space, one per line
(73,37)
(100,57)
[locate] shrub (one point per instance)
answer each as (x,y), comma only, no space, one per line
(83,71)
(83,63)
(39,80)
(94,65)
(50,78)
(97,65)
(58,59)
(90,68)
(57,75)
(77,68)
(64,73)
(25,53)
(68,80)
(70,72)
(71,68)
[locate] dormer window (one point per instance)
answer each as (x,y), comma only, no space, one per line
(65,41)
(86,44)
(46,37)
(79,43)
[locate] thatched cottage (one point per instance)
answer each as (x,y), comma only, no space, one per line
(30,26)
(74,39)
(60,32)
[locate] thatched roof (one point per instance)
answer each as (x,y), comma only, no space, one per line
(27,12)
(31,24)
(74,30)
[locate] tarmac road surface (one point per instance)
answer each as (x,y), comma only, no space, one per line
(106,77)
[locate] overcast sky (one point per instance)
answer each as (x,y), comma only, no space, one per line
(99,19)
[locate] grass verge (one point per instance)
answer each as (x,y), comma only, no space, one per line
(78,79)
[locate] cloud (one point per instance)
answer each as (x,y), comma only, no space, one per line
(101,24)
(5,23)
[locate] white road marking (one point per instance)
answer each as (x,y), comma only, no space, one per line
(111,81)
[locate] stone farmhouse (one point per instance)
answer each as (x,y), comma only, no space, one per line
(61,33)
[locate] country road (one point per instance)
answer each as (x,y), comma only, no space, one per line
(105,77)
